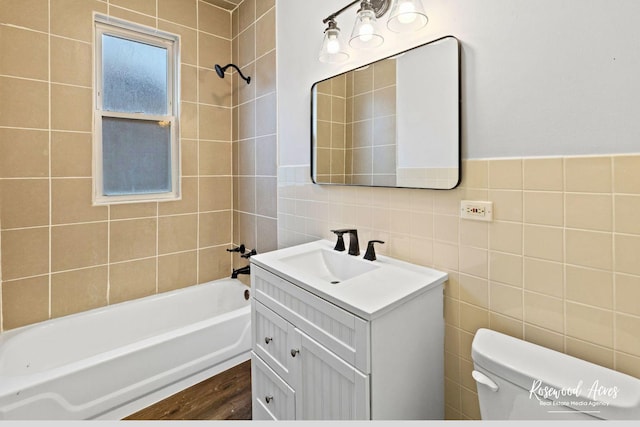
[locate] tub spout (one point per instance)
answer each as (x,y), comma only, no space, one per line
(242,270)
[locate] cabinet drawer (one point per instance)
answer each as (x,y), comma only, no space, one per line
(272,398)
(272,339)
(340,331)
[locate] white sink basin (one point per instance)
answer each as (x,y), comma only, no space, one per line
(330,266)
(365,288)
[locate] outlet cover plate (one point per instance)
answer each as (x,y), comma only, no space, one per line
(476,210)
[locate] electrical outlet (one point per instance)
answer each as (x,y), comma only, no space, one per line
(477,210)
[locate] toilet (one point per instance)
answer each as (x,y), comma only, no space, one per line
(518,380)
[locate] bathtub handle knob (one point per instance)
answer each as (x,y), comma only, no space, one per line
(268,399)
(267,340)
(294,352)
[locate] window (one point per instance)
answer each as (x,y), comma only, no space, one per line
(136,114)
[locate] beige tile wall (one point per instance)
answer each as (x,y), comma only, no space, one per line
(558,266)
(356,133)
(61,255)
(254,128)
(370,124)
(333,163)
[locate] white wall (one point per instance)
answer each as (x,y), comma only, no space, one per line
(539,77)
(427,107)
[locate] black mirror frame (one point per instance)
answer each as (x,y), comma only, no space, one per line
(460,172)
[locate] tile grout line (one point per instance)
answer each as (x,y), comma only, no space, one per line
(234,110)
(614,304)
(255,123)
(49,132)
(253,62)
(198,143)
(157,204)
(108,266)
(523,255)
(564,256)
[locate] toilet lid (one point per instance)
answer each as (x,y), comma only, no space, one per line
(558,377)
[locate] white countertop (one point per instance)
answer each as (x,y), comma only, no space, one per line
(368,295)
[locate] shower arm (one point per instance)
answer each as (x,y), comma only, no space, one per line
(221,70)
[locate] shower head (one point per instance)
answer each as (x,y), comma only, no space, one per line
(220,71)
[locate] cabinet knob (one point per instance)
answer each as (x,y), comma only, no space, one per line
(294,352)
(268,399)
(267,340)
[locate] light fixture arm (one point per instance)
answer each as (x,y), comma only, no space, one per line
(334,15)
(380,7)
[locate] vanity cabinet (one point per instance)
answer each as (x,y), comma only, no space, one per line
(312,359)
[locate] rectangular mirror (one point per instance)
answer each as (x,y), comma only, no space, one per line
(392,123)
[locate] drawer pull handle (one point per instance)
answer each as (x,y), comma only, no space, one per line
(268,399)
(294,352)
(267,340)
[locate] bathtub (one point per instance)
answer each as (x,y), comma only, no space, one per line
(110,362)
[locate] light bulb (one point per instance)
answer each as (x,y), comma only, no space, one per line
(406,12)
(333,45)
(406,16)
(331,51)
(364,34)
(366,30)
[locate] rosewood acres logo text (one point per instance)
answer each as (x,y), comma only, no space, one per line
(573,396)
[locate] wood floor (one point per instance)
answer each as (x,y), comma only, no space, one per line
(226,396)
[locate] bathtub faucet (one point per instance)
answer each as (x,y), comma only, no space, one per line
(249,254)
(242,270)
(240,249)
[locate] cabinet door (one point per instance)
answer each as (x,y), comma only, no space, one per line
(326,386)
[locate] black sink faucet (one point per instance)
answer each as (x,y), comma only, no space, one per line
(354,246)
(370,254)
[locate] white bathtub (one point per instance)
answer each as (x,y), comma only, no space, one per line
(110,362)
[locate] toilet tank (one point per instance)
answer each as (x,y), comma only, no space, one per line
(519,380)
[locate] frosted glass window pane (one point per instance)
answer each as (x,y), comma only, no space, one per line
(136,156)
(134,76)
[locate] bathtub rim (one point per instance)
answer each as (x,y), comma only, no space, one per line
(6,335)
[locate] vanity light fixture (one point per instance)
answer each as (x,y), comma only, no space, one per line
(332,50)
(365,34)
(406,15)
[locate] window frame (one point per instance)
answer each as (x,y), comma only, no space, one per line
(104,25)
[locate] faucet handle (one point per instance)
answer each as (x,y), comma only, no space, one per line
(371,252)
(340,243)
(249,254)
(240,249)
